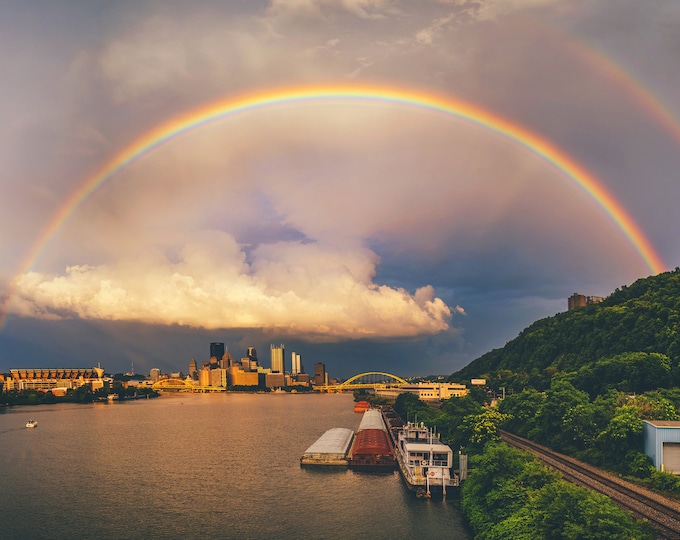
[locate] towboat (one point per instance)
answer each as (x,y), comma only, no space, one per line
(424,461)
(32,423)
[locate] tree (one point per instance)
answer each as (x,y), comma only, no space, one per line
(552,421)
(484,427)
(457,408)
(512,496)
(522,409)
(409,407)
(563,510)
(622,436)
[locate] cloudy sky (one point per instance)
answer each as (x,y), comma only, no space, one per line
(362,233)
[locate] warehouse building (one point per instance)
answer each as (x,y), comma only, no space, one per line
(662,444)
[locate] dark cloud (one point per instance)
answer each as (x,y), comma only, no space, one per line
(366,237)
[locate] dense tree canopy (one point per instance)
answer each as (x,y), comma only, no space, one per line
(512,496)
(629,342)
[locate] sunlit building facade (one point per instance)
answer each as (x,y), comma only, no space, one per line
(277,358)
(296,364)
(426,391)
(53,378)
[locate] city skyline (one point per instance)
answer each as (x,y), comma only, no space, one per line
(395,186)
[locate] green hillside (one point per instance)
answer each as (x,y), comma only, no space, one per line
(628,342)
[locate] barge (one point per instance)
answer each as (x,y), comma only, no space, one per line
(329,449)
(426,463)
(372,448)
(361,406)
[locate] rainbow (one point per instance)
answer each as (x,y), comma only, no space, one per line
(423,100)
(604,65)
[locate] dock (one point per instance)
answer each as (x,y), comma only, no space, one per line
(330,449)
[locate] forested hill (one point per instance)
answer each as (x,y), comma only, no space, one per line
(596,342)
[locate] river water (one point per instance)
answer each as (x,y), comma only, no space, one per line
(198,466)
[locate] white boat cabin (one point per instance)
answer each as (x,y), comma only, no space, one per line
(420,447)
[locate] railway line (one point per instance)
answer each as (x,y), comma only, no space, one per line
(663,513)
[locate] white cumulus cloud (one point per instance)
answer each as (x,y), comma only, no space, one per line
(296,288)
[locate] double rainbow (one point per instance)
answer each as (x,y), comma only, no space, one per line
(447,105)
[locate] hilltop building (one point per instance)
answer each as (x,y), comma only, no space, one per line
(580,300)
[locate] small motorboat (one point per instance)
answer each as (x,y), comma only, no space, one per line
(32,423)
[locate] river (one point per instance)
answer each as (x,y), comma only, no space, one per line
(198,466)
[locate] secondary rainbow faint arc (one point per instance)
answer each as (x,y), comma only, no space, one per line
(446,104)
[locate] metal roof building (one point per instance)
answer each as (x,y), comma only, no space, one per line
(662,444)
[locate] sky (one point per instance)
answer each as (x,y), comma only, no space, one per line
(532,151)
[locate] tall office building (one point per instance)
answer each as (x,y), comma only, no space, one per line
(226,361)
(319,374)
(252,354)
(295,364)
(277,355)
(193,368)
(217,350)
(154,374)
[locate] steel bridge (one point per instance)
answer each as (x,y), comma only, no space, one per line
(375,380)
(181,385)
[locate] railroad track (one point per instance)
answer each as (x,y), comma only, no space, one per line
(663,513)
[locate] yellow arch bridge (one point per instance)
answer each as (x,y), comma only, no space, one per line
(376,380)
(181,385)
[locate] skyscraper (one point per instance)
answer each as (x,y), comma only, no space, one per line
(277,355)
(319,373)
(227,361)
(217,350)
(296,364)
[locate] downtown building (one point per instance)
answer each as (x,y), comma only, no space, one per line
(296,366)
(277,358)
(320,375)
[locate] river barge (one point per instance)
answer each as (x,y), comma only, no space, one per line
(424,461)
(330,449)
(361,406)
(372,448)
